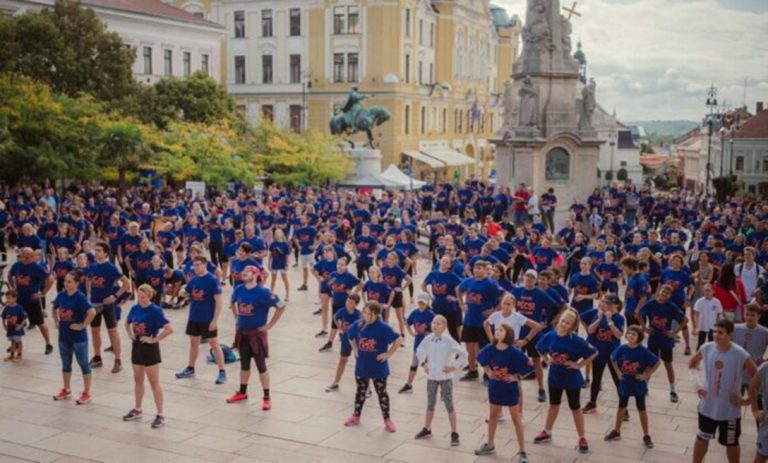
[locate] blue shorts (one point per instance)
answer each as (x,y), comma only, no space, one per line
(503,393)
(346,349)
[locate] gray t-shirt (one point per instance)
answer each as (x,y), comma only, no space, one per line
(753,340)
(762,373)
(723,372)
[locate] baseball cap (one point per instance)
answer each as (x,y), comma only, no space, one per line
(531,272)
(423,297)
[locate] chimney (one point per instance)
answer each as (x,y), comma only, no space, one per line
(759,107)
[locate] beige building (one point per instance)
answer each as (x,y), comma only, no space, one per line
(437,66)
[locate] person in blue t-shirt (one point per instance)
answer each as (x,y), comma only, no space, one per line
(72,313)
(322,270)
(364,249)
(605,327)
(344,320)
(139,262)
(279,250)
(204,291)
(441,284)
(31,281)
(663,320)
(419,324)
(637,288)
(377,290)
(398,279)
(14,320)
(584,287)
(635,365)
(608,273)
(251,304)
(567,354)
(146,327)
(681,281)
(374,343)
(342,283)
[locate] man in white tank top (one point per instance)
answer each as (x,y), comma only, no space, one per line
(720,392)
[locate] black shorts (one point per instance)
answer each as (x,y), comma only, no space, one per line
(639,401)
(34,311)
(574,397)
(108,314)
(334,309)
(201,329)
(728,431)
(530,349)
(397,301)
(664,354)
(474,334)
(145,354)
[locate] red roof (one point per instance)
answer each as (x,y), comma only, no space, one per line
(754,127)
(151,8)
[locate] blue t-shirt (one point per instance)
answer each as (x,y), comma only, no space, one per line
(637,288)
(443,285)
(421,321)
(14,317)
(156,279)
(146,321)
(71,309)
(29,280)
(393,276)
(237,266)
(344,321)
(253,306)
(510,361)
(377,291)
(279,250)
(325,268)
(534,304)
(103,278)
(372,340)
(479,296)
(632,362)
(202,304)
(544,257)
(679,281)
(341,284)
(583,285)
(563,349)
(63,242)
(141,262)
(660,319)
(603,339)
(61,268)
(365,246)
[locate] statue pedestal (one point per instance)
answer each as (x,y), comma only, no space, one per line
(367,161)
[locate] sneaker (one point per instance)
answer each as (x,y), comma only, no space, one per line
(542,396)
(470,376)
(647,442)
(687,351)
(583,446)
(266,404)
(389,425)
(237,397)
(454,439)
(185,373)
(63,394)
(543,437)
(133,415)
(83,399)
(586,384)
(321,334)
(522,457)
(613,435)
(485,449)
(353,420)
(405,389)
(589,408)
(95,362)
(332,388)
(317,312)
(302,287)
(673,397)
(158,422)
(221,378)
(48,349)
(423,434)
(326,347)
(117,367)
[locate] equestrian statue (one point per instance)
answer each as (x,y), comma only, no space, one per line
(353,117)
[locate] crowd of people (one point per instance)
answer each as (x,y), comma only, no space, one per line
(483,280)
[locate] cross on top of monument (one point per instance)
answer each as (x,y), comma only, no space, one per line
(572,10)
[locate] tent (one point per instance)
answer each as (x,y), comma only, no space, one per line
(396,175)
(369,181)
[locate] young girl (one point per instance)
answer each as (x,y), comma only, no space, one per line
(376,290)
(505,365)
(322,270)
(279,251)
(635,364)
(567,354)
(419,324)
(706,312)
(441,356)
(156,278)
(397,279)
(344,320)
(14,320)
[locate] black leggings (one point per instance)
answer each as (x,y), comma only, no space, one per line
(598,368)
(216,248)
(362,270)
(246,354)
(574,397)
(380,385)
(639,401)
(704,336)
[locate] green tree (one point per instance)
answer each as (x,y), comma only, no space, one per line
(198,99)
(123,147)
(68,48)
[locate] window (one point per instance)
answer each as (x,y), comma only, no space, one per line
(460,119)
(407,120)
(295,21)
(431,73)
(558,165)
(431,35)
(295,61)
(421,32)
(295,114)
(187,63)
(338,67)
(623,163)
(147,53)
(339,20)
(239,24)
(204,63)
(423,119)
(266,69)
(407,22)
(266,23)
(407,68)
(199,14)
(352,67)
(445,117)
(240,69)
(459,66)
(168,62)
(267,113)
(765,164)
(739,163)
(353,20)
(421,72)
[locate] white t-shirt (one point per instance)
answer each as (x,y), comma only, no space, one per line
(516,321)
(749,276)
(708,310)
(533,205)
(723,372)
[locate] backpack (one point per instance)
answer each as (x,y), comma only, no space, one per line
(229,355)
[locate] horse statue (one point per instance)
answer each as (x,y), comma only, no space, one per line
(354,117)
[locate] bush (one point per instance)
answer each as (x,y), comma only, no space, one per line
(609,175)
(622,175)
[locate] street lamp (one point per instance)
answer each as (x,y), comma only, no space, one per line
(711,105)
(306,84)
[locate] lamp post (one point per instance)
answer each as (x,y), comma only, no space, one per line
(711,105)
(730,164)
(306,84)
(721,132)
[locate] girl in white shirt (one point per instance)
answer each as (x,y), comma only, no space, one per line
(706,312)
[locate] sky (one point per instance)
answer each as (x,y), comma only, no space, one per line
(656,59)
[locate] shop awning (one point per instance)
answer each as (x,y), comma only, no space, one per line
(448,156)
(423,158)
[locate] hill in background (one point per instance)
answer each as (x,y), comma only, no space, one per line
(663,132)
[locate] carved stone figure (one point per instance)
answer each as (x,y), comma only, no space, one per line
(588,105)
(567,29)
(529,111)
(508,103)
(353,117)
(537,34)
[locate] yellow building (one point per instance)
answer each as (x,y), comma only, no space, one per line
(437,66)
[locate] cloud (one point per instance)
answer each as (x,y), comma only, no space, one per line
(655,59)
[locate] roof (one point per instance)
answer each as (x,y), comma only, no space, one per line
(754,127)
(653,161)
(152,8)
(501,18)
(626,141)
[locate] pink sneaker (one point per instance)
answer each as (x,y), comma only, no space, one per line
(389,425)
(353,420)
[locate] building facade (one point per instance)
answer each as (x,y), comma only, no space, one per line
(437,66)
(168,41)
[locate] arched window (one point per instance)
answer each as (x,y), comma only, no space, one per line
(423,119)
(558,165)
(459,53)
(471,58)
